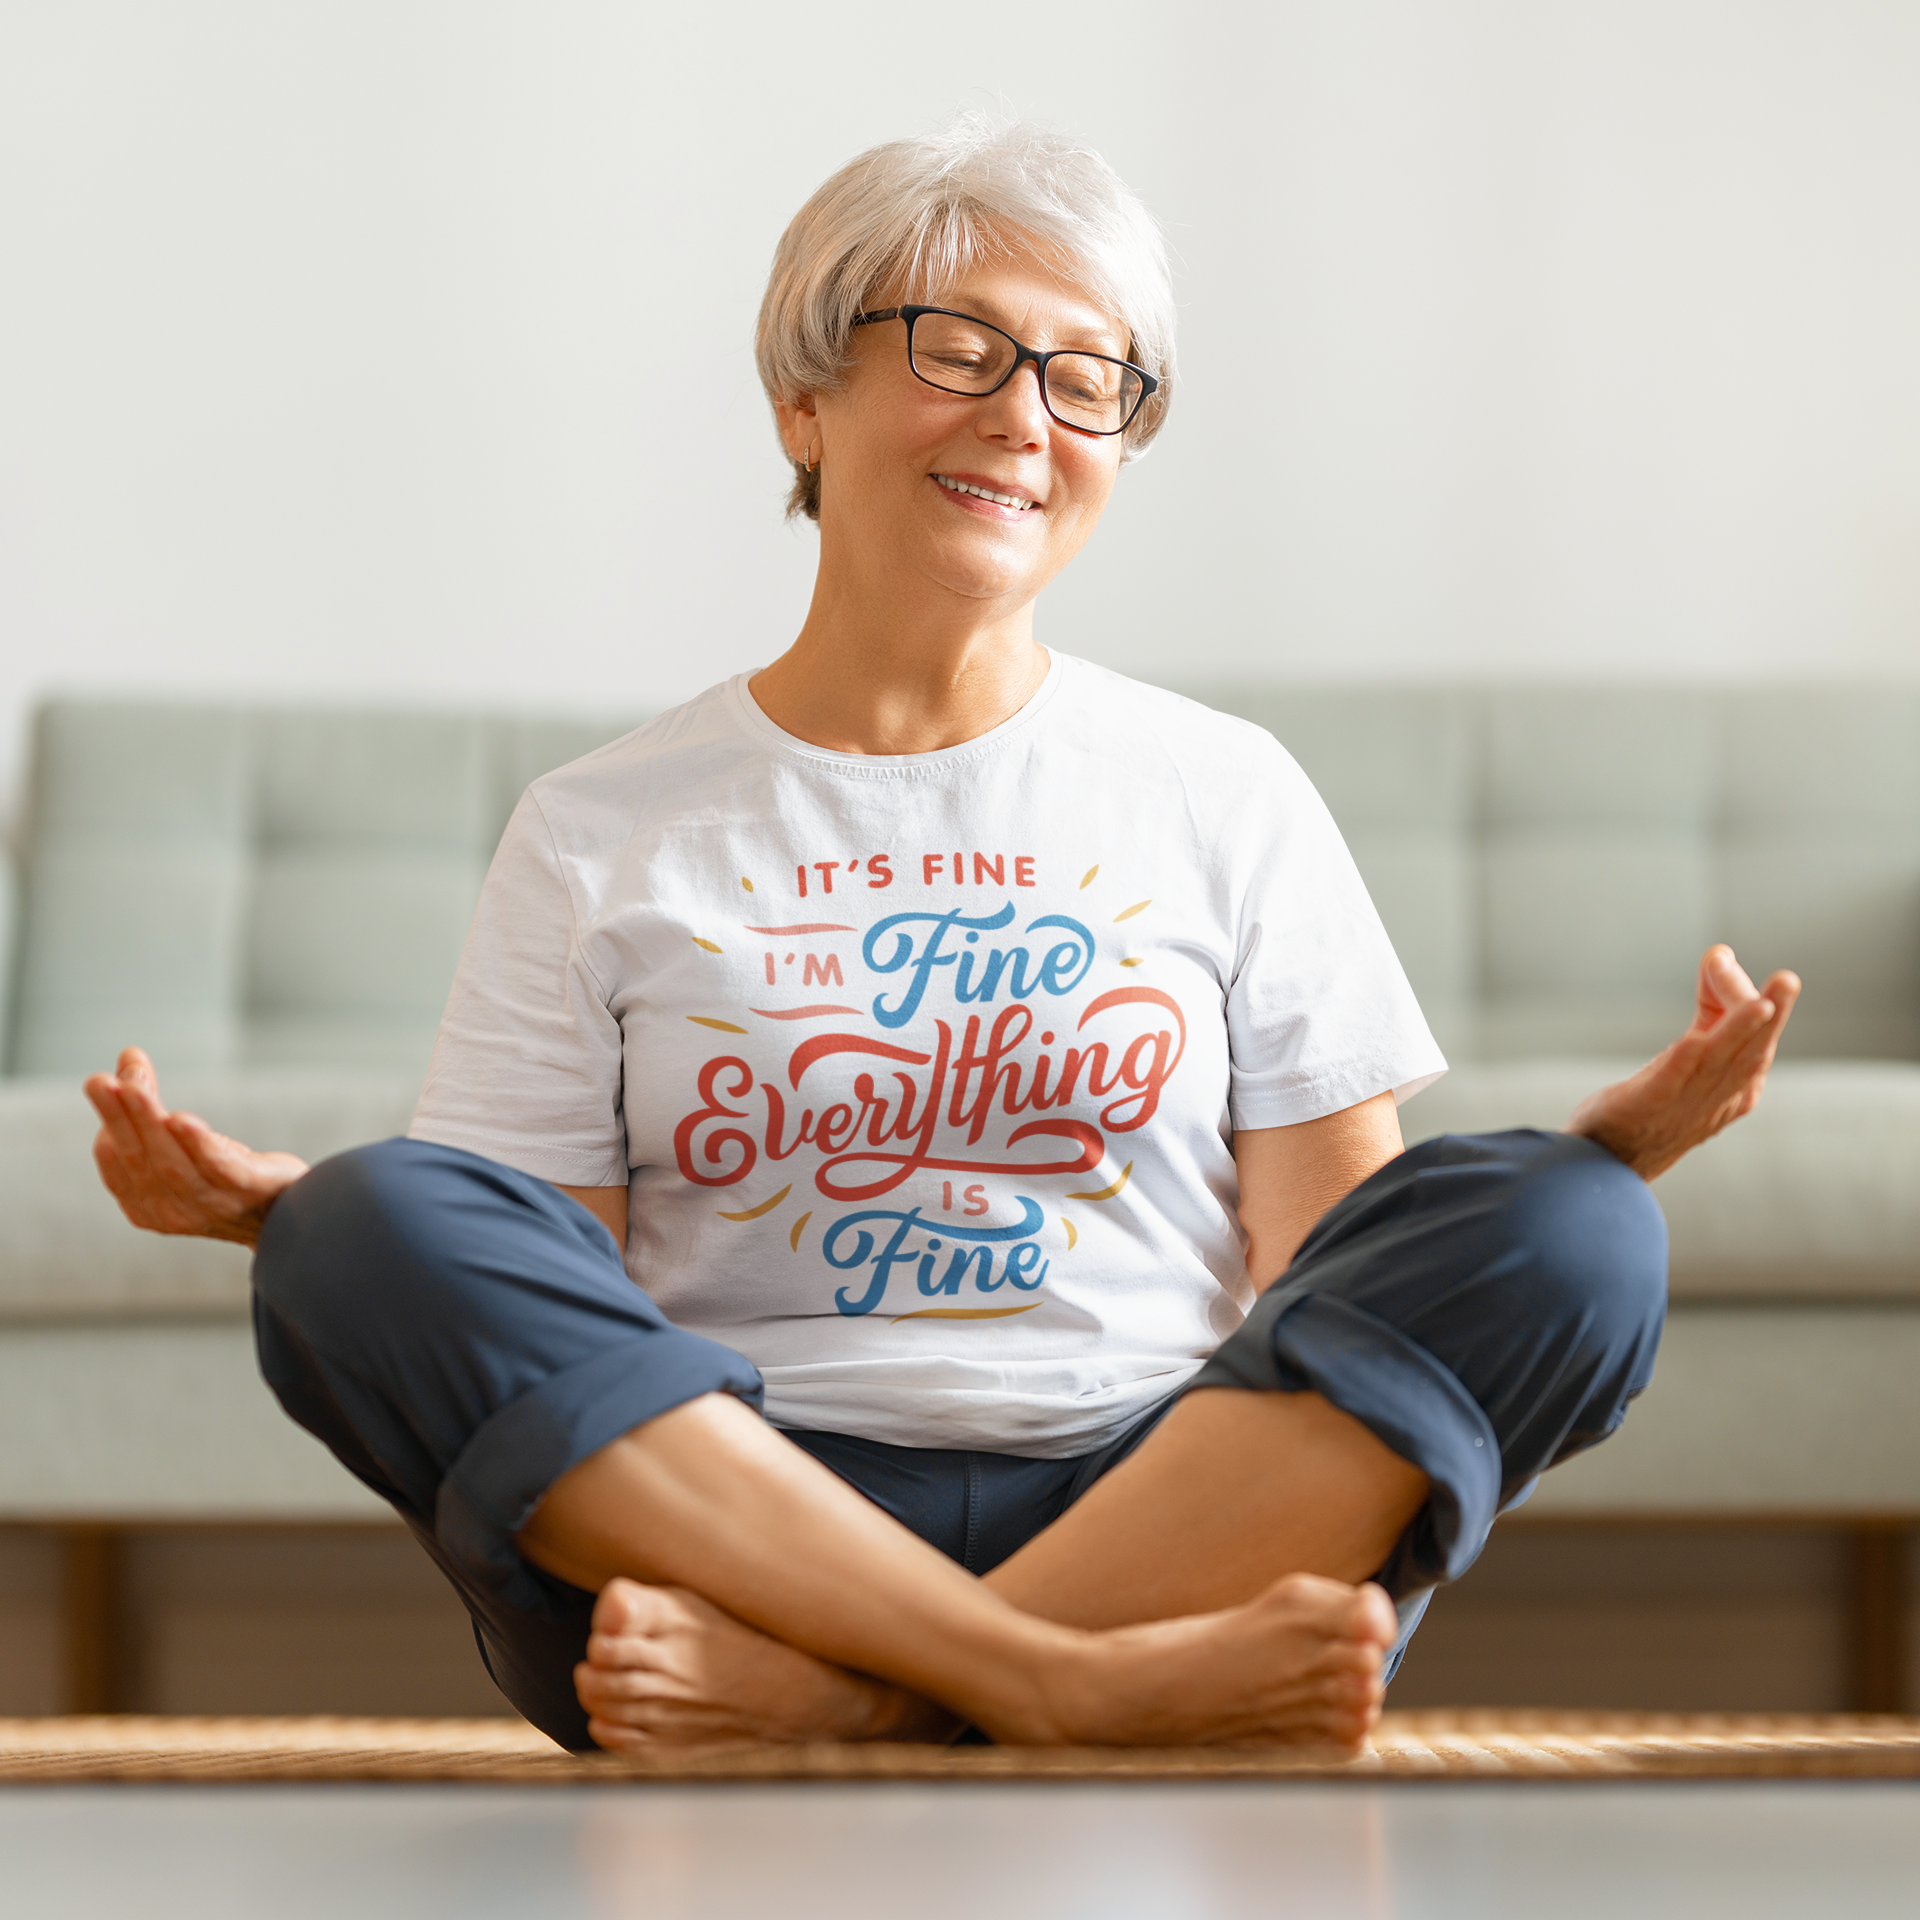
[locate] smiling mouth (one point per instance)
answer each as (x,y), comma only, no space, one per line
(985,493)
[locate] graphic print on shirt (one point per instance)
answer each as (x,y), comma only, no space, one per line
(921,1058)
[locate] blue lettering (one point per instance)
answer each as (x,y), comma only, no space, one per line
(849,1243)
(924,961)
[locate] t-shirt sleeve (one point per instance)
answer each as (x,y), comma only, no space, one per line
(526,1068)
(1319,1012)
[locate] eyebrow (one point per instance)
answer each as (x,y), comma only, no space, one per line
(1113,345)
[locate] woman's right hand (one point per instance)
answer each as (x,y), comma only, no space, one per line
(170,1172)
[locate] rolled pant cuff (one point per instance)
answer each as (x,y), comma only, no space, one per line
(1296,1340)
(505,1470)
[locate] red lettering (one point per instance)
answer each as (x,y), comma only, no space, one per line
(717,1145)
(824,868)
(959,870)
(976,1199)
(814,974)
(930,865)
(771,981)
(1009,1029)
(981,869)
(1023,871)
(836,1128)
(880,863)
(1148,1076)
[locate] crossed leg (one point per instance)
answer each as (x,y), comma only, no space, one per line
(1201,1591)
(467,1342)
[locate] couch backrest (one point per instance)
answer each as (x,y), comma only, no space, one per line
(237,886)
(1552,861)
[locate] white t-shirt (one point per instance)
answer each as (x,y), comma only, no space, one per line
(922,1070)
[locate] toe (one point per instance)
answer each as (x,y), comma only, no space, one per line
(1378,1619)
(613,1610)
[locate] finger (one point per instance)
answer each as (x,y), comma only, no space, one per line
(115,1122)
(1783,989)
(1723,981)
(165,1157)
(1728,974)
(136,1069)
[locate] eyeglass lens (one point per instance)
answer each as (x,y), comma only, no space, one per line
(966,356)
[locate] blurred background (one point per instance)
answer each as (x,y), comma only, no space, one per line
(400,354)
(403,349)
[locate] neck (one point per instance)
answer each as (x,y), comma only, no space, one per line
(865,676)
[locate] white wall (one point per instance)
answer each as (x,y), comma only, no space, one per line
(400,347)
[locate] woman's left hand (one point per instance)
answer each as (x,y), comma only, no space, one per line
(1708,1078)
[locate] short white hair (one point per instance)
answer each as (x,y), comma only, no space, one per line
(913,216)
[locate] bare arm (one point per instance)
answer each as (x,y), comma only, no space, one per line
(608,1205)
(1290,1176)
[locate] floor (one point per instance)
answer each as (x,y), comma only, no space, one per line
(1186,1852)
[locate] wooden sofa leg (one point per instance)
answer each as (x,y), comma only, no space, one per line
(1877,1618)
(91,1620)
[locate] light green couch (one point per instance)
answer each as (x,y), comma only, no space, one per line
(272,902)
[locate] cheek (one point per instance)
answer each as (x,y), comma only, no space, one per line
(1091,481)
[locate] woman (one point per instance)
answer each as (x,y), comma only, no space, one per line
(988,1066)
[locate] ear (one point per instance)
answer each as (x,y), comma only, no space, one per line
(799,424)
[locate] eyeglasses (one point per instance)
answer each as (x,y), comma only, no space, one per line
(1088,392)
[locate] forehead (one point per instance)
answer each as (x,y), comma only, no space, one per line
(1036,304)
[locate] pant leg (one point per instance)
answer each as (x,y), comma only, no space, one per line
(1487,1305)
(460,1335)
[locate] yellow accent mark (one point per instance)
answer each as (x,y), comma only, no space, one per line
(962,1313)
(1073,1238)
(765,1206)
(1133,963)
(793,1239)
(719,1026)
(1107,1193)
(745,882)
(1127,913)
(708,944)
(1088,880)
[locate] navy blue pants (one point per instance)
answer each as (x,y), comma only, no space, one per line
(460,1334)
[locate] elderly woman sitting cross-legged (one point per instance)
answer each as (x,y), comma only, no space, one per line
(907,1224)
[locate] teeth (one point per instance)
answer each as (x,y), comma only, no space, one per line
(998,499)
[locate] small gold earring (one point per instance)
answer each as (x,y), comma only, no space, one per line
(807,459)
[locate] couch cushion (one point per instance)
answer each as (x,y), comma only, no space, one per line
(135,885)
(271,887)
(1819,865)
(70,1254)
(1811,1198)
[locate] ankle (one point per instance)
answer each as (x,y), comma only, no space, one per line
(1053,1696)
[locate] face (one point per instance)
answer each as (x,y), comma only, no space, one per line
(896,453)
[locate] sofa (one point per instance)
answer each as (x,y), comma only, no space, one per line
(272,902)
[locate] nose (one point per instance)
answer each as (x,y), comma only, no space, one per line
(1016,414)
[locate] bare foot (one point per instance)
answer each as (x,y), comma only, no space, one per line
(665,1666)
(1299,1664)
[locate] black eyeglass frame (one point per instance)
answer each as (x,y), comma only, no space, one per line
(1022,353)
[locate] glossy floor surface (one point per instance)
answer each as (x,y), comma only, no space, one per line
(987,1852)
